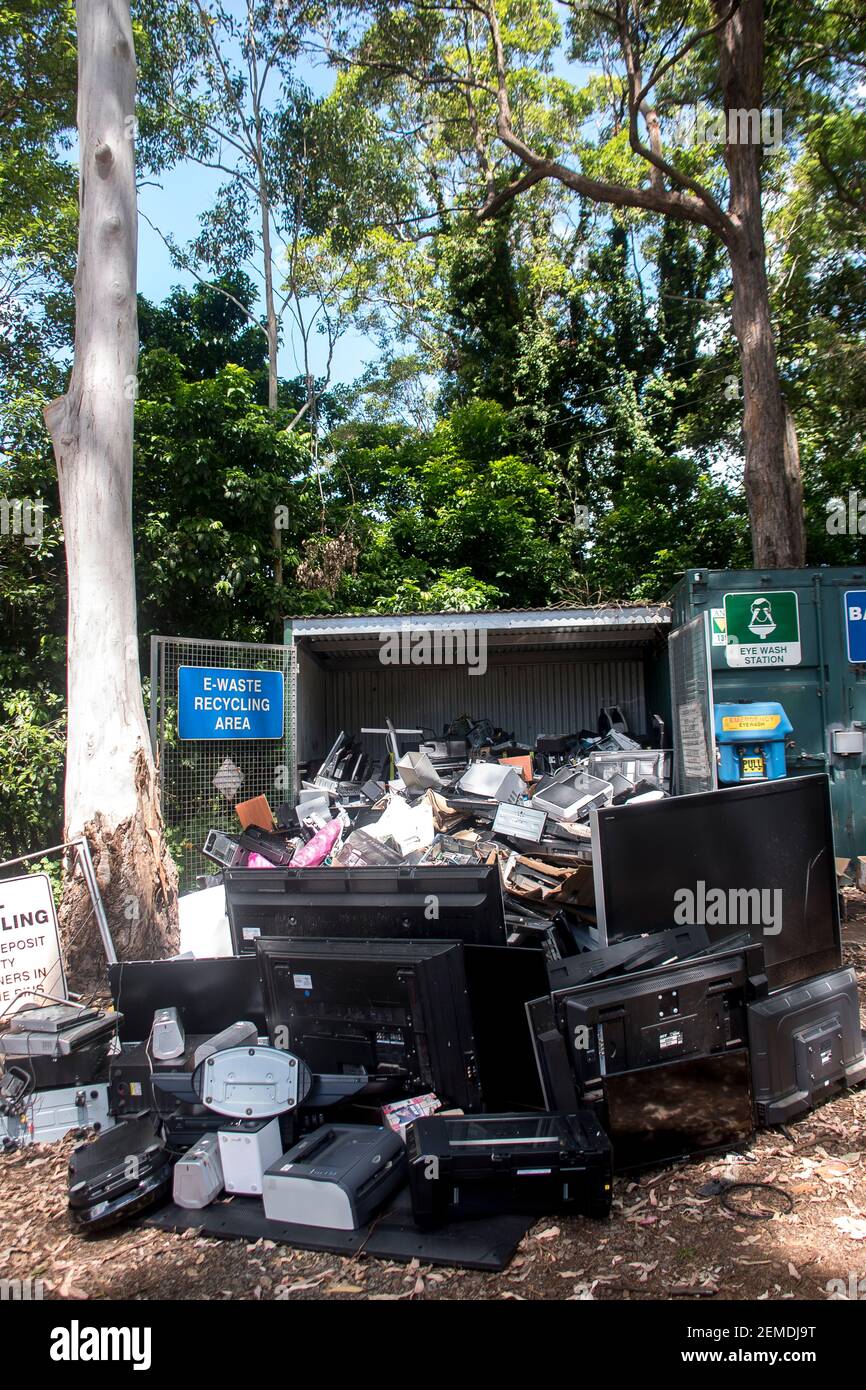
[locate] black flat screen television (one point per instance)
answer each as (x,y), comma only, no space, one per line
(693,1106)
(758,856)
(396,1010)
(451,902)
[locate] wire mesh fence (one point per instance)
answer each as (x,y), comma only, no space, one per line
(202,780)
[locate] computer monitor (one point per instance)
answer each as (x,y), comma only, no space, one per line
(419,902)
(397,1010)
(209,995)
(758,856)
(655,1016)
(500,980)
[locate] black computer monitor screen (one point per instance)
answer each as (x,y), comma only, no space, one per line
(395,1010)
(209,995)
(501,980)
(446,902)
(683,1108)
(758,856)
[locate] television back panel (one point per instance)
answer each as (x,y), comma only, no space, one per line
(806,1045)
(397,1010)
(411,903)
(655,1016)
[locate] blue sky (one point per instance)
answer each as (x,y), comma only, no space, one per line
(174,204)
(174,207)
(182,194)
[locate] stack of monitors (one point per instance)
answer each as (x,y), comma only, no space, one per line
(662,1053)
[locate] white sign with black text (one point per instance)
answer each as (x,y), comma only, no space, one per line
(29,939)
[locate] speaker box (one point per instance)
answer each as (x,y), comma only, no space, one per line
(806,1045)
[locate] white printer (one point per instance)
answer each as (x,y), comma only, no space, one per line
(336,1177)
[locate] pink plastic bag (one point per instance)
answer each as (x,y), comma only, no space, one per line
(315,851)
(257,861)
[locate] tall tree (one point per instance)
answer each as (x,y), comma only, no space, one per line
(616,141)
(229,98)
(111,788)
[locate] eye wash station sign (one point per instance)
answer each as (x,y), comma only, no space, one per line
(762,629)
(216,702)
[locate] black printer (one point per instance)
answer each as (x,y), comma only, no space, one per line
(483,1165)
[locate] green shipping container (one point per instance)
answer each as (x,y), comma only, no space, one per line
(799,637)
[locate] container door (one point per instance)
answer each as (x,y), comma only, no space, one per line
(692,707)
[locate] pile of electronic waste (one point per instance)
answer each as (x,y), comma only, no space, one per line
(54,1078)
(471,797)
(479,1079)
(441,1036)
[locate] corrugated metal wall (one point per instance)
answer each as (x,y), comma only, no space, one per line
(550,694)
(310,709)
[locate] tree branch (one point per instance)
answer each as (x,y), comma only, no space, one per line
(184,264)
(654,199)
(636,95)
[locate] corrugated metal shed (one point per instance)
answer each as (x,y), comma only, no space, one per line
(546,670)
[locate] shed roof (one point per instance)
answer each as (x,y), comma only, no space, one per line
(581,630)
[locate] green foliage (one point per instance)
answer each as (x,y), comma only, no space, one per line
(454,591)
(32,752)
(38,184)
(821,235)
(212,465)
(555,410)
(207,327)
(458,499)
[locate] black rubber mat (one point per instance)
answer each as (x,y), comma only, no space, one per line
(487,1244)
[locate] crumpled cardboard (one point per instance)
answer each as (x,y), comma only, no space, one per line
(574,885)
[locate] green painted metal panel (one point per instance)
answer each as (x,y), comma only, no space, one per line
(798,645)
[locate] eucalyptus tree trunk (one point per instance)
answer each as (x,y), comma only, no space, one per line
(771,476)
(111,793)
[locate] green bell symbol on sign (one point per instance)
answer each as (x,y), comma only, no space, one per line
(762,623)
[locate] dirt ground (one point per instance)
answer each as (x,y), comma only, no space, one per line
(667,1237)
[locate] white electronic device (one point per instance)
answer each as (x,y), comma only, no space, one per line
(252,1083)
(198,1174)
(243,1034)
(167,1039)
(336,1177)
(247,1148)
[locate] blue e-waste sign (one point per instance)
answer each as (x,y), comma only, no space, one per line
(214,702)
(855,624)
